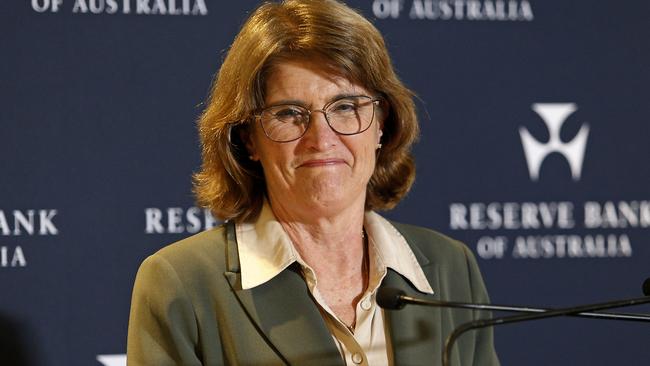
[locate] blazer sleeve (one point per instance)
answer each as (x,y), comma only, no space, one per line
(162,324)
(485,354)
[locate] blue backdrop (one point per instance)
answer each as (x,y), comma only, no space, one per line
(534,151)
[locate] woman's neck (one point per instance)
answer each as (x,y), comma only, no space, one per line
(315,229)
(328,240)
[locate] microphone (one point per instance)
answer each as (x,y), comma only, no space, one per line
(390,298)
(395,299)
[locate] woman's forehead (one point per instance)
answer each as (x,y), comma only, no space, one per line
(307,79)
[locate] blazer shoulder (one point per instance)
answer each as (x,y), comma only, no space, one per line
(206,241)
(431,243)
(197,255)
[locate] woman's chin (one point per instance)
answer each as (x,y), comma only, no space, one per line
(322,194)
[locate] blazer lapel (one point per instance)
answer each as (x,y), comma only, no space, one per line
(284,312)
(415,331)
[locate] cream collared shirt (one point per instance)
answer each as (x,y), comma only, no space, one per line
(265,250)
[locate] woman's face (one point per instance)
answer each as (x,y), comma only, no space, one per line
(322,172)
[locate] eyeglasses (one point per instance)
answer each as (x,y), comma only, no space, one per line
(346,116)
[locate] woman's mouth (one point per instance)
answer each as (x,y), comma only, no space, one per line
(311,163)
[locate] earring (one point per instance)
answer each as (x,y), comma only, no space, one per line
(251,157)
(378,146)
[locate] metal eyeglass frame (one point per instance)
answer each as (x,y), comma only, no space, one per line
(258,116)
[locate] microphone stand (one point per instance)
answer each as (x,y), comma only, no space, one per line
(449,342)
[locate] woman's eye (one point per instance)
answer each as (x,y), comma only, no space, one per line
(345,107)
(288,113)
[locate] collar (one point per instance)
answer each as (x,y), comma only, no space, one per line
(265,250)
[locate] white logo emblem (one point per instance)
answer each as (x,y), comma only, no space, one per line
(112,360)
(554,115)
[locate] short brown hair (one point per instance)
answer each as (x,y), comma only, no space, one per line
(232,185)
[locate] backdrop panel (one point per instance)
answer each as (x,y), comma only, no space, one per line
(534,151)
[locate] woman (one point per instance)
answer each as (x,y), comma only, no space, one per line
(306,132)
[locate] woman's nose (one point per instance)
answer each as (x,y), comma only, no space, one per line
(319,134)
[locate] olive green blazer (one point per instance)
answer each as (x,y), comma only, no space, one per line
(188,308)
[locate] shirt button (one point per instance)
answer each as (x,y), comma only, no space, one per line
(357,358)
(365,304)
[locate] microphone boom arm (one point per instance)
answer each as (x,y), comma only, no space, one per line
(522,309)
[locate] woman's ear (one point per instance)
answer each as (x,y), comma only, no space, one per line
(379,134)
(245,136)
(380,122)
(382,113)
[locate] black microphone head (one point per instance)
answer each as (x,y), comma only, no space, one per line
(390,298)
(646,287)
